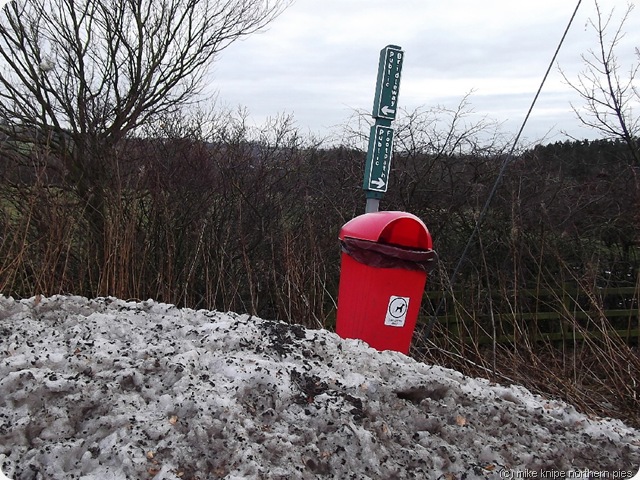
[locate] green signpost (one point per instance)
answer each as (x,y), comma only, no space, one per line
(376,173)
(385,102)
(385,107)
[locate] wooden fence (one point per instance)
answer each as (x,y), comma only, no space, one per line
(559,316)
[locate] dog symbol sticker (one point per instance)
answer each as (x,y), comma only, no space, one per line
(397,311)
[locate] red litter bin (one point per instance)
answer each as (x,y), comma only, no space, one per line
(386,257)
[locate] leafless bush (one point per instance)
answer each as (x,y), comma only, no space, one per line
(529,306)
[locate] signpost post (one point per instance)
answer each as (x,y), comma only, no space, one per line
(385,107)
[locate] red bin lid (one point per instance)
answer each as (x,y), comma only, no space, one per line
(394,228)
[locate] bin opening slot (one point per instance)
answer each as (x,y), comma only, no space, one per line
(382,255)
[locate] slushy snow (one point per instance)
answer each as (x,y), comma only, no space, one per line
(107,389)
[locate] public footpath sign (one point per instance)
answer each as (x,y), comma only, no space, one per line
(385,107)
(378,159)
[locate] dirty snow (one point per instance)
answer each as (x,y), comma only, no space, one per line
(107,389)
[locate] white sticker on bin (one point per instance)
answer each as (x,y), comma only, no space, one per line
(397,311)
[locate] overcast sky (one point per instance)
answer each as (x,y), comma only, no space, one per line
(318,60)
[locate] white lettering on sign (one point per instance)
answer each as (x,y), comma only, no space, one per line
(385,103)
(393,80)
(397,311)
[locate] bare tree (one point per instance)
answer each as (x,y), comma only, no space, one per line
(78,76)
(103,67)
(608,91)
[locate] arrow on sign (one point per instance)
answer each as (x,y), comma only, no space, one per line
(388,111)
(378,183)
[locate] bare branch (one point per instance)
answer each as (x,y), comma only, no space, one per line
(608,96)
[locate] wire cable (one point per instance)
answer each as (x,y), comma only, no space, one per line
(426,332)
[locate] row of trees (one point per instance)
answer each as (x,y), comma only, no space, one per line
(180,213)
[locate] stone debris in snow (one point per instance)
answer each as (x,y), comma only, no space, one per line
(108,389)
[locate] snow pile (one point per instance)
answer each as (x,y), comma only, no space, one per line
(106,390)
